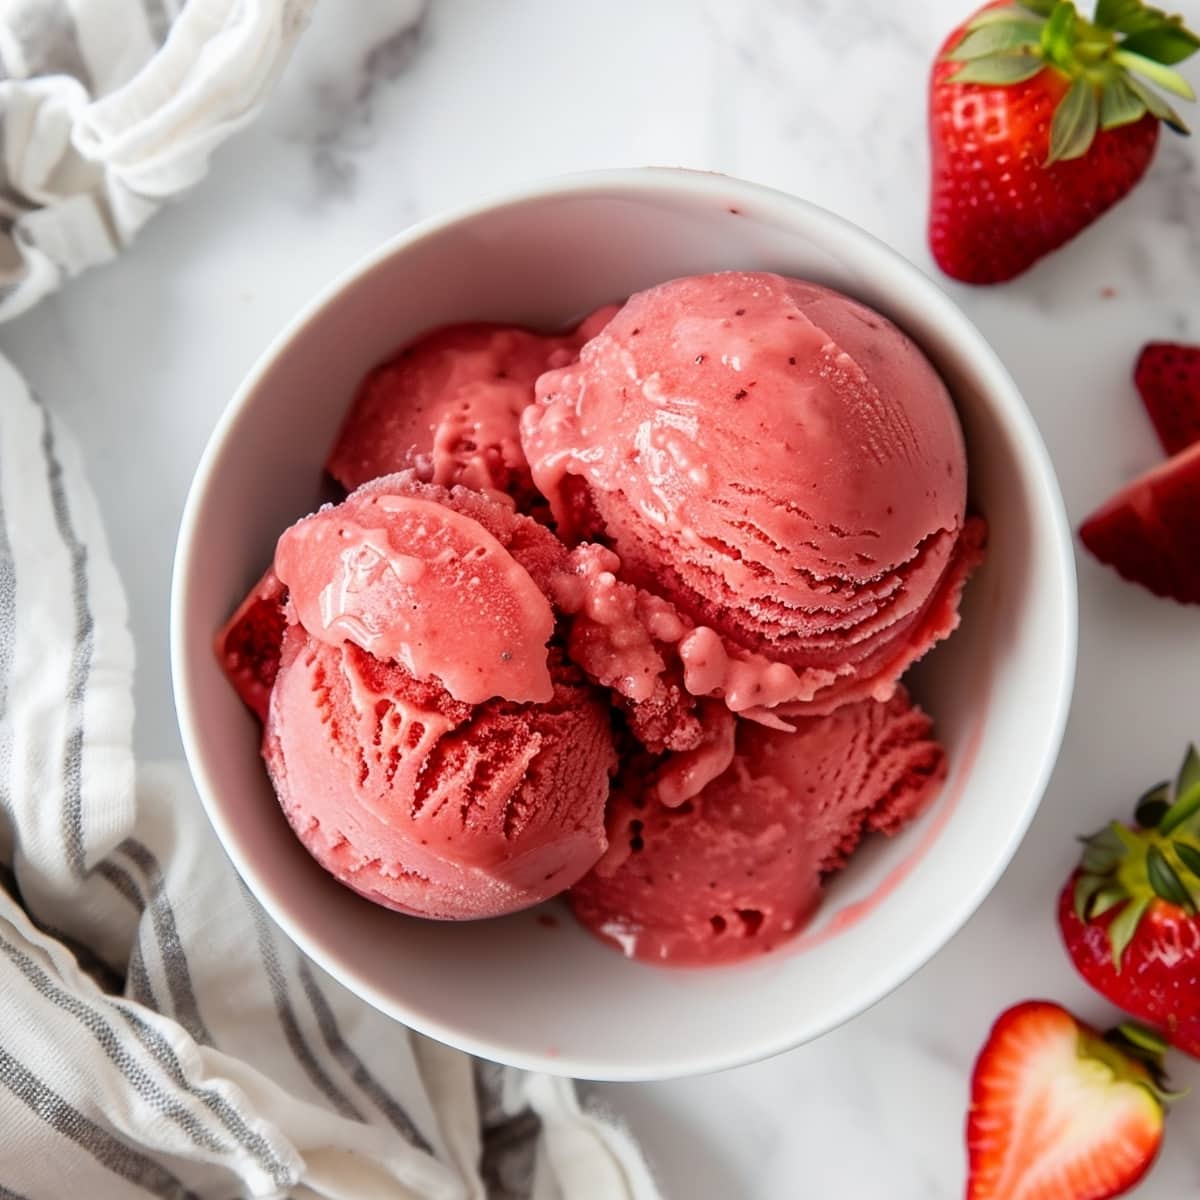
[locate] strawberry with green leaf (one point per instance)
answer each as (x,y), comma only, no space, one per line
(1129,915)
(1060,1111)
(1039,121)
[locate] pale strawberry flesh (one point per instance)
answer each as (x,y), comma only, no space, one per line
(1051,1117)
(1168,379)
(1149,532)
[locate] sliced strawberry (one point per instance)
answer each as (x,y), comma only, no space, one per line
(1150,531)
(248,646)
(1168,378)
(1060,1112)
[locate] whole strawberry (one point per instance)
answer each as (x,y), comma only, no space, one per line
(1128,915)
(1039,121)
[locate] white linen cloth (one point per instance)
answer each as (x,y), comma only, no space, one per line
(111,107)
(158,1035)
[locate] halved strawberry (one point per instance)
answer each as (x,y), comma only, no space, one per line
(1150,530)
(1168,379)
(1061,1112)
(248,646)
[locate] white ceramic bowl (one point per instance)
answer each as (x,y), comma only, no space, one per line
(546,995)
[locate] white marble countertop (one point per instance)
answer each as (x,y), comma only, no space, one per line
(368,132)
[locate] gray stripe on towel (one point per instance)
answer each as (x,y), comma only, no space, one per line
(139,989)
(137,979)
(106,1038)
(164,1054)
(277,981)
(81,654)
(185,1008)
(354,1066)
(88,960)
(509,1142)
(108,1150)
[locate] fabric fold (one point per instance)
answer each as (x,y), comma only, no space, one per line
(103,124)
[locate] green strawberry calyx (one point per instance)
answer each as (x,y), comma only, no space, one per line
(1156,860)
(1116,62)
(1134,1054)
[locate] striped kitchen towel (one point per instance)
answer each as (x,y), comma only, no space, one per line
(158,1035)
(111,107)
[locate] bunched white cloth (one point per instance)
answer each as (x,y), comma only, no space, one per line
(111,107)
(158,1035)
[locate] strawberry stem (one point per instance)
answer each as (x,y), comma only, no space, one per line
(1125,870)
(1141,1052)
(1108,60)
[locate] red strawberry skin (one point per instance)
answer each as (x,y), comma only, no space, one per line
(995,207)
(1150,531)
(1027,1137)
(1168,380)
(1159,979)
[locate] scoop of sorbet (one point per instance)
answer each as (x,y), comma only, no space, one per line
(448,406)
(428,741)
(779,462)
(737,870)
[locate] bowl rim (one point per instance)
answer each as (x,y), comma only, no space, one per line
(1003,393)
